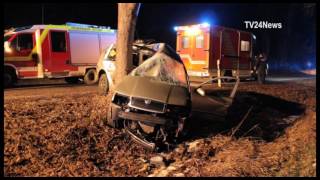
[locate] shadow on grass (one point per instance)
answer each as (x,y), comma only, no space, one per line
(268,119)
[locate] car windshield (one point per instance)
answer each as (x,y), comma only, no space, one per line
(163,68)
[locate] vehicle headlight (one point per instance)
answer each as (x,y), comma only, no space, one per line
(120,100)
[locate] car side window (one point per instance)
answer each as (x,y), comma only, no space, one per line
(135,59)
(143,57)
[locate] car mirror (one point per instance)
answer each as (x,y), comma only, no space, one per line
(200,91)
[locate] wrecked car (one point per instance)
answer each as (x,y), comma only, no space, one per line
(106,65)
(213,104)
(153,102)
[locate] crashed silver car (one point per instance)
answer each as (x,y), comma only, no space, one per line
(153,102)
(106,65)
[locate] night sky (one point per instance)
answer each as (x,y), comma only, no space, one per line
(293,45)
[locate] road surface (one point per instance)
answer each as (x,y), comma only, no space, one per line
(59,87)
(288,79)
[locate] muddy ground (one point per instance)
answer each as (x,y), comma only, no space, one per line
(59,132)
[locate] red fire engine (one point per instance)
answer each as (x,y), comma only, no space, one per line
(202,47)
(69,51)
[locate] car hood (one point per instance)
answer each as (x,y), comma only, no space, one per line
(145,87)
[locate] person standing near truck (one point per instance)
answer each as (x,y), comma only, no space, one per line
(261,67)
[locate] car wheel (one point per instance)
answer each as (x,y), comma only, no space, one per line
(90,77)
(103,85)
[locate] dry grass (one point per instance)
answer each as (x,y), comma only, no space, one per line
(64,136)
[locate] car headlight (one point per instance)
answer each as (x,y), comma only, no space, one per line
(120,99)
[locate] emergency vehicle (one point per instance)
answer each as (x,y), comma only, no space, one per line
(208,49)
(69,51)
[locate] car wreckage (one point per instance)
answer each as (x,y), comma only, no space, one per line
(153,102)
(106,66)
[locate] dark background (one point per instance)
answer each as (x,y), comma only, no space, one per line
(293,46)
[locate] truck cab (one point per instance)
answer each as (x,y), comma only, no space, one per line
(69,51)
(210,51)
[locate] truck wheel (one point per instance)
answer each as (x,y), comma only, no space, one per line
(90,77)
(9,79)
(261,75)
(71,80)
(103,85)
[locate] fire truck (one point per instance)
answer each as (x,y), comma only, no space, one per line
(69,51)
(210,51)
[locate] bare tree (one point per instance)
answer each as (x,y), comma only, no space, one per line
(127,17)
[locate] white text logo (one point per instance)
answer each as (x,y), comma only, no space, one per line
(262,25)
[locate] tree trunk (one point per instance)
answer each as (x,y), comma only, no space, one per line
(127,16)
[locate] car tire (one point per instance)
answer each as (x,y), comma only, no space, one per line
(103,85)
(71,80)
(90,77)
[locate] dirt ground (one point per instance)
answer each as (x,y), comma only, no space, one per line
(59,132)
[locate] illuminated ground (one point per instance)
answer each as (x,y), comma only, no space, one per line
(56,130)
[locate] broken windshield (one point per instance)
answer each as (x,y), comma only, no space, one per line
(163,68)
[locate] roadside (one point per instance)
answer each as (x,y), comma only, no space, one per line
(59,132)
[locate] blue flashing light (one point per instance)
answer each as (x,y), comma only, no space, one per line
(205,24)
(309,64)
(175,28)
